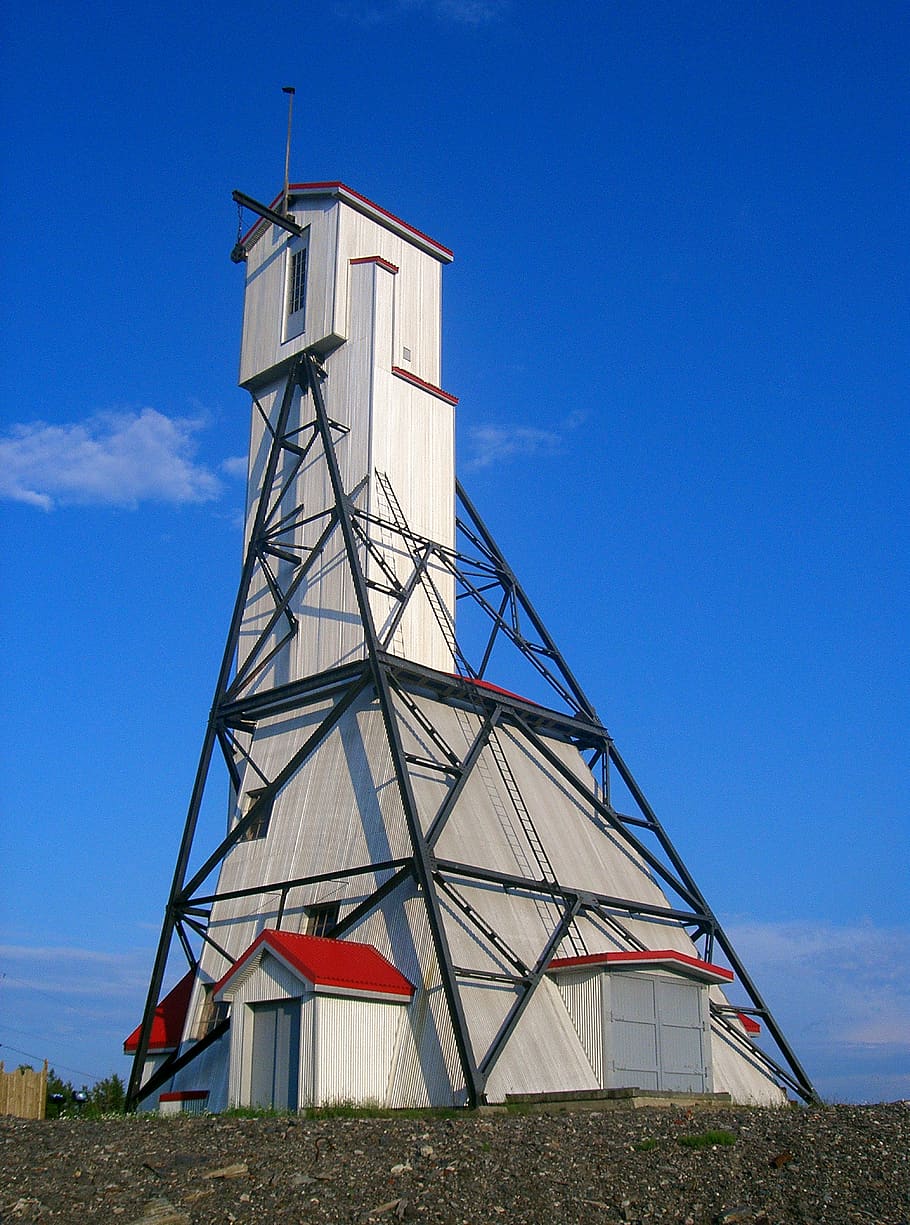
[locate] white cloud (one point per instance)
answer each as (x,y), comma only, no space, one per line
(110,459)
(471,12)
(842,996)
(72,1006)
(61,971)
(494,444)
(235,465)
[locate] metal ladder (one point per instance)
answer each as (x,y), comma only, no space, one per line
(538,865)
(387,545)
(538,850)
(441,614)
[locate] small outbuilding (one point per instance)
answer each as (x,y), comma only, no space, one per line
(314,1021)
(643,1016)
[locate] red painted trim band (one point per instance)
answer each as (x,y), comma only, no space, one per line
(342,187)
(342,191)
(185,1095)
(481,684)
(749,1024)
(375,259)
(644,957)
(424,386)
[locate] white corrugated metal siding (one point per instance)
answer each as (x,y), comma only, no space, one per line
(354,1043)
(581,993)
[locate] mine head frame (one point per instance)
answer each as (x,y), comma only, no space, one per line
(484,579)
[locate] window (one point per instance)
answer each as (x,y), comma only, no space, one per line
(297,281)
(320,919)
(295,303)
(260,824)
(210,1014)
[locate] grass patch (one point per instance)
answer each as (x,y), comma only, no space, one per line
(708,1139)
(645,1146)
(342,1110)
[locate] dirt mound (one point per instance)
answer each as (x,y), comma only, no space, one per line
(829,1165)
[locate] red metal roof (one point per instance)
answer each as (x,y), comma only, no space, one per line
(749,1024)
(170,1015)
(667,959)
(481,684)
(344,965)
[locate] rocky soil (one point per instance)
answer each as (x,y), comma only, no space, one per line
(827,1165)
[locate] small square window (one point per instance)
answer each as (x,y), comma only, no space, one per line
(320,919)
(211,1014)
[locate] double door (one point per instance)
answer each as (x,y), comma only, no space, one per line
(658,1034)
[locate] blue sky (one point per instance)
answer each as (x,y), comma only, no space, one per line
(677,323)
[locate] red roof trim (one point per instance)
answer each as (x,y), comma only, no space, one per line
(749,1024)
(353,198)
(340,188)
(170,1015)
(185,1095)
(670,959)
(376,259)
(343,965)
(475,680)
(424,386)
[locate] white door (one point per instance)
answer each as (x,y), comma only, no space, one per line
(636,1058)
(657,1034)
(275,1068)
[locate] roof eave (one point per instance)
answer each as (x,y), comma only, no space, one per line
(368,208)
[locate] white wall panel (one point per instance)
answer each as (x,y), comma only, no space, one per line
(581,994)
(355,1041)
(544,1054)
(263,344)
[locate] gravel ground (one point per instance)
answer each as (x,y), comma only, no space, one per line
(827,1165)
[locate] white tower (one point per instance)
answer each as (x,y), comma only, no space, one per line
(362,290)
(427,892)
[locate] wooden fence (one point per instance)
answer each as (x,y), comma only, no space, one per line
(23,1093)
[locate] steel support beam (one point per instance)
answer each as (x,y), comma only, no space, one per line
(177,1061)
(209,743)
(393,686)
(422,857)
(497,1046)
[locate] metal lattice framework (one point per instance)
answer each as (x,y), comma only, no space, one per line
(484,580)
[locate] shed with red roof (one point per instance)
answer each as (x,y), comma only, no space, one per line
(314,1021)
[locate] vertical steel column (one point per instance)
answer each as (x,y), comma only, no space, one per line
(209,742)
(423,859)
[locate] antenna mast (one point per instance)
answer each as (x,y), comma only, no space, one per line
(290,91)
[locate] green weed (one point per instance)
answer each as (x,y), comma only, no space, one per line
(708,1139)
